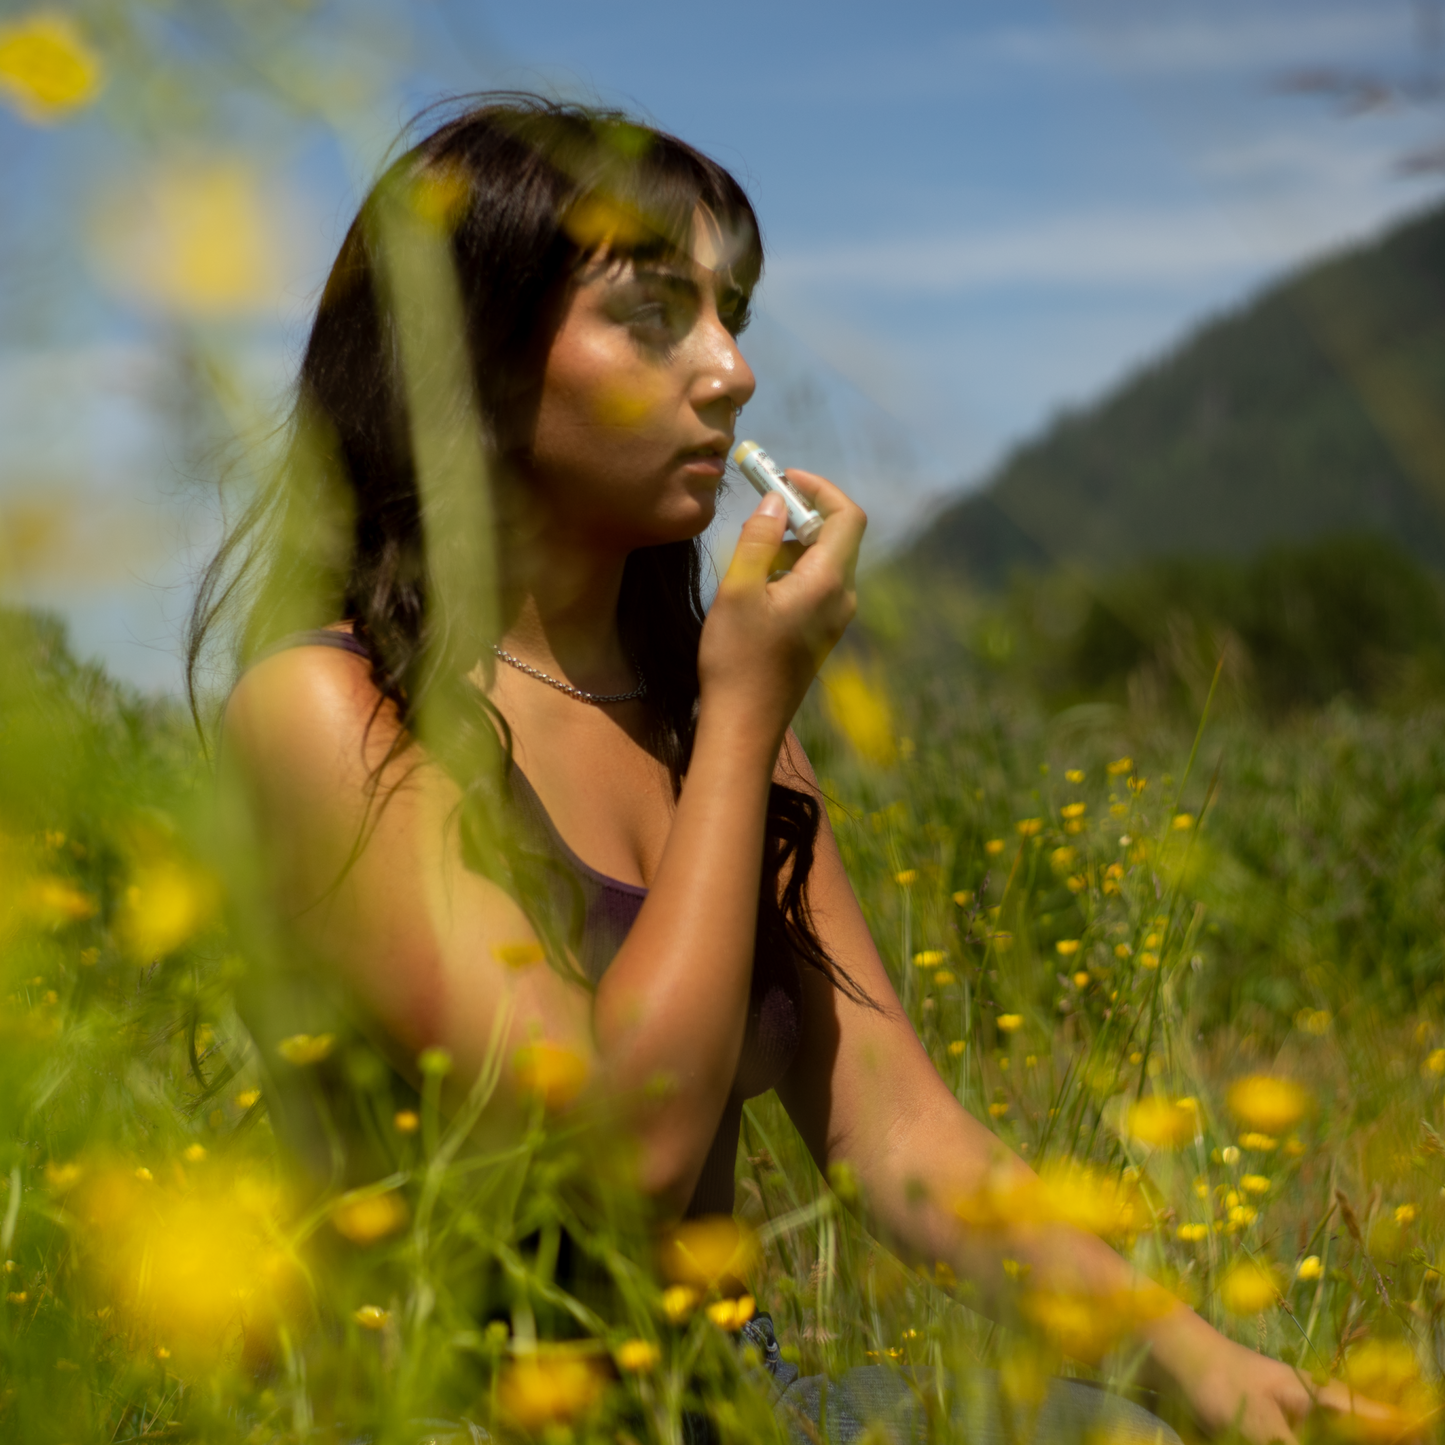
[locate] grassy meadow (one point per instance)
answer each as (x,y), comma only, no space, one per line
(1193,973)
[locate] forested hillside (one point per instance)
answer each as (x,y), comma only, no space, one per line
(1317,409)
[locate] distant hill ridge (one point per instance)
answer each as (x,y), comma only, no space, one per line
(1317,409)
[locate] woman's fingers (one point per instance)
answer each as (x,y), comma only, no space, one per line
(843,521)
(758,544)
(1371,1419)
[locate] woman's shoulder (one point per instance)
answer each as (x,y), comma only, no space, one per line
(311,704)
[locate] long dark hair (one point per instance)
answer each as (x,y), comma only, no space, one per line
(341,531)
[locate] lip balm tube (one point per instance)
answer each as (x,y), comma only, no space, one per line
(767,476)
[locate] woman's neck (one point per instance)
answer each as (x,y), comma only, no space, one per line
(560,610)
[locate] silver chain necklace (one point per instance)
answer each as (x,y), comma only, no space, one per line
(595,698)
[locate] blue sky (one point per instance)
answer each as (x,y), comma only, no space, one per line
(976,214)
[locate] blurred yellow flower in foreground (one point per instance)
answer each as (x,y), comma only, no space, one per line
(1248,1288)
(1081,979)
(1010,1023)
(732,1314)
(167,901)
(364,1218)
(199,1265)
(637,1356)
(1259,1143)
(1163,1123)
(520,953)
(53,902)
(1075,775)
(678,1302)
(549,1072)
(1192,1233)
(1389,1371)
(963,897)
(407,1121)
(1182,822)
(1064,1193)
(550,1387)
(1406,1214)
(1267,1104)
(906,877)
(1119,765)
(1087,1326)
(1029,827)
(701,1252)
(1254,1183)
(858,707)
(197,239)
(47,70)
(303,1049)
(929,957)
(1073,810)
(372,1317)
(957,1047)
(60,1178)
(1435,1061)
(1310,1267)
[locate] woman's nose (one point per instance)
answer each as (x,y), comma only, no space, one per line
(723,372)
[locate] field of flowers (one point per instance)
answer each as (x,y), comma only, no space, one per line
(1196,980)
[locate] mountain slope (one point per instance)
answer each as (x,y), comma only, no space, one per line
(1317,409)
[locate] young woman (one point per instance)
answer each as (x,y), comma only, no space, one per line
(596,770)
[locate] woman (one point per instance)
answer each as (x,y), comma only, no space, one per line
(418,734)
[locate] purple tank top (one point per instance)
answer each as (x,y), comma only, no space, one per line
(609,909)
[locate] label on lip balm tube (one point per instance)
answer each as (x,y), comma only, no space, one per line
(767,476)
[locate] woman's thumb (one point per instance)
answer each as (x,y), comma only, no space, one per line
(758,544)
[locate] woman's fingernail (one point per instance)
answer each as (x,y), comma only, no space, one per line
(772,506)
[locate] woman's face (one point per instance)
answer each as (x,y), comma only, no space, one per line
(639,398)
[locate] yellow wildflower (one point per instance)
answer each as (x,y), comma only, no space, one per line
(997,1110)
(963,897)
(1229,1154)
(364,1218)
(1160,1122)
(549,1072)
(167,901)
(1010,1023)
(678,1302)
(63,1177)
(1294,1148)
(1268,1104)
(1081,979)
(1248,1288)
(701,1252)
(1254,1183)
(303,1049)
(518,954)
(994,847)
(943,978)
(1073,810)
(859,709)
(732,1314)
(1192,1233)
(144,1175)
(906,877)
(1436,1061)
(1310,1268)
(407,1121)
(1067,947)
(1148,960)
(372,1317)
(1062,859)
(1259,1143)
(1029,827)
(47,70)
(1075,775)
(1077,883)
(637,1357)
(247,1097)
(53,901)
(193,1153)
(1182,822)
(929,957)
(1118,766)
(1406,1214)
(549,1388)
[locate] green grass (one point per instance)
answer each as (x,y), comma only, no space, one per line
(1294,927)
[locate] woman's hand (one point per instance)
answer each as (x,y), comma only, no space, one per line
(764,640)
(1229,1386)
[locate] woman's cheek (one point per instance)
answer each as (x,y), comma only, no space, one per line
(626,403)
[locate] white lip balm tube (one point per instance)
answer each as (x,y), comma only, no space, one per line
(767,476)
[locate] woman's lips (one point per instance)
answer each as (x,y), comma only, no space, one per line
(704,463)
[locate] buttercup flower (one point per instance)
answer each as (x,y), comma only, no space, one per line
(1267,1104)
(1248,1288)
(47,69)
(637,1357)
